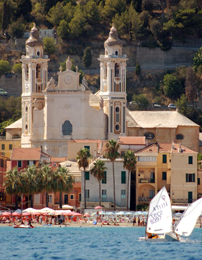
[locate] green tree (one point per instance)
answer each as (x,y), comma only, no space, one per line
(23,8)
(4,67)
(112,7)
(64,182)
(63,30)
(140,102)
(46,182)
(112,154)
(38,12)
(137,69)
(49,45)
(87,57)
(82,159)
(77,23)
(16,29)
(6,17)
(17,68)
(11,184)
(172,88)
(56,14)
(92,13)
(98,171)
(129,163)
(190,85)
(182,104)
(197,59)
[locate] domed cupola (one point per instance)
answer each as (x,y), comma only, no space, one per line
(34,45)
(113,45)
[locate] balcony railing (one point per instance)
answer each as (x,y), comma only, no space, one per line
(147,199)
(146,180)
(182,201)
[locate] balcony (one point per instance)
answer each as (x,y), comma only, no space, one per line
(144,199)
(146,180)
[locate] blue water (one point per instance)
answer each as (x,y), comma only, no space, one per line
(86,243)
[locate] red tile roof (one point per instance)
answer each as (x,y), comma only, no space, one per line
(132,140)
(27,154)
(166,147)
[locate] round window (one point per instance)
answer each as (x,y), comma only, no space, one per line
(117,127)
(149,136)
(117,109)
(179,137)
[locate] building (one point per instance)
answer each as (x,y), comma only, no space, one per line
(171,165)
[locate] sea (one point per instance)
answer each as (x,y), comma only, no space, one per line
(96,243)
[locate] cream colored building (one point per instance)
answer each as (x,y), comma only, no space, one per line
(171,165)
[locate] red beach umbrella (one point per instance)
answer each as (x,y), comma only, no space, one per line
(87,215)
(26,214)
(68,213)
(76,214)
(98,207)
(16,214)
(6,213)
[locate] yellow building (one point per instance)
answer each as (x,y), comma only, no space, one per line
(170,165)
(6,146)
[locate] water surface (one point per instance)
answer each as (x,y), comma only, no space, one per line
(86,243)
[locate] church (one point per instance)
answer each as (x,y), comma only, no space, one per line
(57,111)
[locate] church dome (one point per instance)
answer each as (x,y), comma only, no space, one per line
(34,39)
(113,39)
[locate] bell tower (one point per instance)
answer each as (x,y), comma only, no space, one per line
(34,80)
(113,85)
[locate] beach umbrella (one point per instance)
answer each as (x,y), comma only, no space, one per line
(6,213)
(98,207)
(87,215)
(26,214)
(76,214)
(66,206)
(69,213)
(46,209)
(30,210)
(16,213)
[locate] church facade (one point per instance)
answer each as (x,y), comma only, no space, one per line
(57,111)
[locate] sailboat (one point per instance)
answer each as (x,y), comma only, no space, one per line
(159,221)
(187,222)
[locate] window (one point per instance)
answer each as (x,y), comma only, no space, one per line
(87,147)
(190,177)
(49,198)
(104,181)
(151,194)
(123,194)
(3,147)
(19,163)
(87,194)
(79,196)
(164,158)
(164,176)
(104,194)
(146,159)
(87,176)
(67,128)
(199,181)
(16,136)
(71,197)
(37,198)
(190,159)
(123,177)
(179,137)
(10,147)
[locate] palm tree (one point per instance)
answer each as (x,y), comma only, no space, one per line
(112,154)
(98,172)
(28,182)
(46,185)
(63,182)
(11,184)
(129,162)
(82,159)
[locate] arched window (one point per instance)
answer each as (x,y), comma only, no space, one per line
(67,128)
(116,70)
(179,137)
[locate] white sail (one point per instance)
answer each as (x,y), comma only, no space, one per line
(160,215)
(188,219)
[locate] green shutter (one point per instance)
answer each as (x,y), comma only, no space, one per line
(87,176)
(123,177)
(193,177)
(164,176)
(164,158)
(105,179)
(190,160)
(187,177)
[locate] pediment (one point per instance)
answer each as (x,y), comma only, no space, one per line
(68,80)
